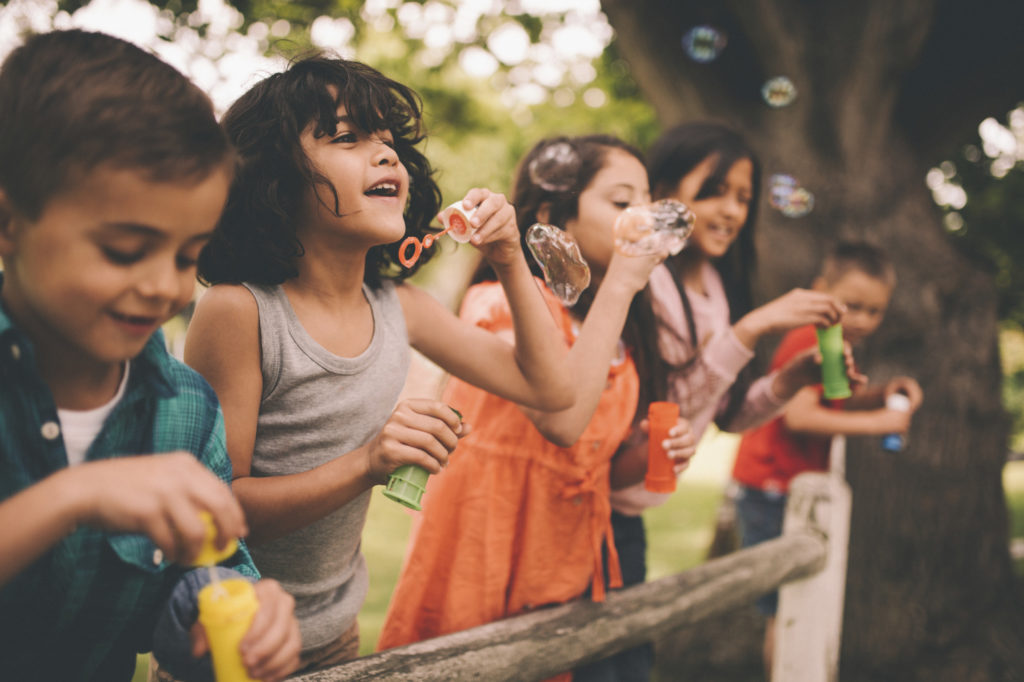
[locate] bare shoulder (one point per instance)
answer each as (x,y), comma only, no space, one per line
(233,301)
(225,321)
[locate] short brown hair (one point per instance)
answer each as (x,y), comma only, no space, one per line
(71,101)
(863,257)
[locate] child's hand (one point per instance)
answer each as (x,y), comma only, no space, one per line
(908,387)
(160,496)
(681,445)
(497,234)
(421,432)
(272,645)
(632,272)
(804,369)
(796,308)
(892,421)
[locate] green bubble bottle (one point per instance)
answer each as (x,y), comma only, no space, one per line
(407,483)
(833,364)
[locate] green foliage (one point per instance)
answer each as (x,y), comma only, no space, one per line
(992,222)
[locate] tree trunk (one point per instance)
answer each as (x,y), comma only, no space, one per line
(931,593)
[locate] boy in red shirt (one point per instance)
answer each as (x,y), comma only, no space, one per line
(769,456)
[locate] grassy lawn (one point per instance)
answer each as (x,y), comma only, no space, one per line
(679,532)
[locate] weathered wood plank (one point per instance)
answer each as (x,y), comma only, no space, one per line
(542,643)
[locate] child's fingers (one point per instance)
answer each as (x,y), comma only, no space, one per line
(270,648)
(197,635)
(189,531)
(436,409)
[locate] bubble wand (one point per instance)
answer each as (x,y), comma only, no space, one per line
(457,224)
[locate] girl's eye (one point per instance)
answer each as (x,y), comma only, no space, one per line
(119,257)
(186,262)
(621,205)
(345,138)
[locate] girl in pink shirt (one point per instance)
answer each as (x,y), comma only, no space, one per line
(708,328)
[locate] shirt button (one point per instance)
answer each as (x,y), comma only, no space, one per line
(50,430)
(15,351)
(158,556)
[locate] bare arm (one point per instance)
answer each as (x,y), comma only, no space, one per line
(592,353)
(805,414)
(534,371)
(158,495)
(223,346)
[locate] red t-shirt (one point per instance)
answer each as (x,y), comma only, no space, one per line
(770,455)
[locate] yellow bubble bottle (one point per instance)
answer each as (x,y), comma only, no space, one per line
(209,554)
(226,609)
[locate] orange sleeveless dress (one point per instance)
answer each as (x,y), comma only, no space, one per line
(514,522)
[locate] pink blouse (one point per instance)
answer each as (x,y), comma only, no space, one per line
(702,388)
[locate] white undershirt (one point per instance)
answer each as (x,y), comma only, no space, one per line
(80,427)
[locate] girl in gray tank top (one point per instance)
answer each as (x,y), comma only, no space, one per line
(306,334)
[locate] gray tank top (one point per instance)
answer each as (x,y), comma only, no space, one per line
(317,406)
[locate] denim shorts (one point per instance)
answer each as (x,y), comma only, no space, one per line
(760,514)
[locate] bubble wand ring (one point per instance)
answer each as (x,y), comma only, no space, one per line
(417,247)
(454,218)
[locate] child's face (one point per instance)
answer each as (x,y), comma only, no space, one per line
(371,181)
(721,216)
(866,299)
(107,262)
(621,183)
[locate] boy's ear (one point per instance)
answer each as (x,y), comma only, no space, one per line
(544,212)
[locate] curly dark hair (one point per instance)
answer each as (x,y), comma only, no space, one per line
(256,239)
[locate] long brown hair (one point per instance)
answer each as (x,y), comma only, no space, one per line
(673,156)
(640,333)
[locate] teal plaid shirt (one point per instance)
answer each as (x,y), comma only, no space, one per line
(84,609)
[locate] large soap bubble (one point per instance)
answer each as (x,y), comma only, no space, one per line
(558,255)
(658,228)
(778,92)
(704,43)
(555,167)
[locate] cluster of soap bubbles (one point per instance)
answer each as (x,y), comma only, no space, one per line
(660,227)
(788,197)
(555,168)
(704,44)
(558,255)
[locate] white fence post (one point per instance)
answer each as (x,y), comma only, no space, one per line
(808,626)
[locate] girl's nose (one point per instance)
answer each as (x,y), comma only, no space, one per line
(385,155)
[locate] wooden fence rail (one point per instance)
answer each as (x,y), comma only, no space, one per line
(548,641)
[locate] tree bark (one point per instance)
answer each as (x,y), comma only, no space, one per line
(931,593)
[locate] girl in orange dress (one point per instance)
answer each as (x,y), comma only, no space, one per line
(520,518)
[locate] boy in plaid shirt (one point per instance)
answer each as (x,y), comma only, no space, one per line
(113,173)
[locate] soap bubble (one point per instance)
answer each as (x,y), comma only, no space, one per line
(555,167)
(778,92)
(788,197)
(658,228)
(704,43)
(800,203)
(558,255)
(779,188)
